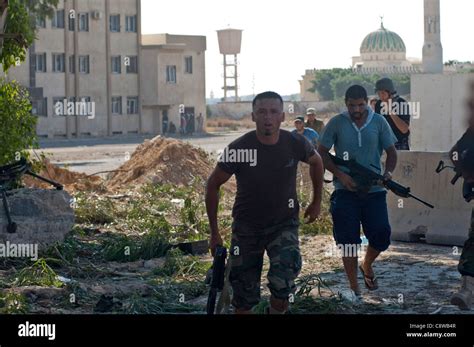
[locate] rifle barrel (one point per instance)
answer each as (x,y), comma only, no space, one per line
(423,202)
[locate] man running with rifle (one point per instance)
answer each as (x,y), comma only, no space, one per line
(266,209)
(361,135)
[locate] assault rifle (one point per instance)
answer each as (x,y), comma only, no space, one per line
(217,278)
(356,169)
(467,188)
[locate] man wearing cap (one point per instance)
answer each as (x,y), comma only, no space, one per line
(303,177)
(390,102)
(313,123)
(309,133)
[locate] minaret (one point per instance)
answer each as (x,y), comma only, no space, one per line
(432,48)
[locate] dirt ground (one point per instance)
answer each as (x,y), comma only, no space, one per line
(413,277)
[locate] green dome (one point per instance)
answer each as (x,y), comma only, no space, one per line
(382,40)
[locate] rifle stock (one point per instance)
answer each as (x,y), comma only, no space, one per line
(217,278)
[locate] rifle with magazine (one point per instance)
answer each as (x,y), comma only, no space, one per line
(467,188)
(357,169)
(9,175)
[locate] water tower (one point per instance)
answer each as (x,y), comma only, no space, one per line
(229,45)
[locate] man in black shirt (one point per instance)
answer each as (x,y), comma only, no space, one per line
(395,110)
(266,208)
(462,156)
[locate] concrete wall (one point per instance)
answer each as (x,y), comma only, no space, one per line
(305,84)
(442,118)
(448,223)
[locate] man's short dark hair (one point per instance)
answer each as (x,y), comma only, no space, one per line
(467,161)
(267,95)
(356,92)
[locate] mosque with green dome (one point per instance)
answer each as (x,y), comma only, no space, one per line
(383,51)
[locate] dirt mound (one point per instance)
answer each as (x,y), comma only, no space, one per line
(164,161)
(72,181)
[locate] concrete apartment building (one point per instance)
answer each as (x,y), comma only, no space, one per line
(173,79)
(91,52)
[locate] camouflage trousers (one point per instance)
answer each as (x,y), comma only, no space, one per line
(247,250)
(466,261)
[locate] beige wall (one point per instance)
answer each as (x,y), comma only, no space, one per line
(159,51)
(154,93)
(92,43)
(443,113)
(305,84)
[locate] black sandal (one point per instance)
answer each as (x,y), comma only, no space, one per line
(370,281)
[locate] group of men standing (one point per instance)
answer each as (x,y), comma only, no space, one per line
(266,209)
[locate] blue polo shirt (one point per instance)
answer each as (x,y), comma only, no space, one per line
(365,145)
(310,134)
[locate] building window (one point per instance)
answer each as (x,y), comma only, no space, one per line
(116,105)
(40,22)
(115,23)
(117,64)
(40,62)
(72,64)
(83,21)
(71,23)
(84,64)
(171,74)
(40,107)
(132,66)
(58,62)
(58,20)
(132,105)
(131,24)
(188,64)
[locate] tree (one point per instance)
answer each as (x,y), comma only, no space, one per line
(18,125)
(332,84)
(18,131)
(20,27)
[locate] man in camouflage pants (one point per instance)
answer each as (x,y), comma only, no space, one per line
(462,155)
(266,208)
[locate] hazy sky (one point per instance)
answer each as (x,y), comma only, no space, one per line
(283,38)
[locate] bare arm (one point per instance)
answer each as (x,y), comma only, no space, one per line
(345,179)
(316,172)
(328,163)
(215,181)
(391,162)
(400,123)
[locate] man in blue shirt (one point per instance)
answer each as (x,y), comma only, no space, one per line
(309,133)
(362,135)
